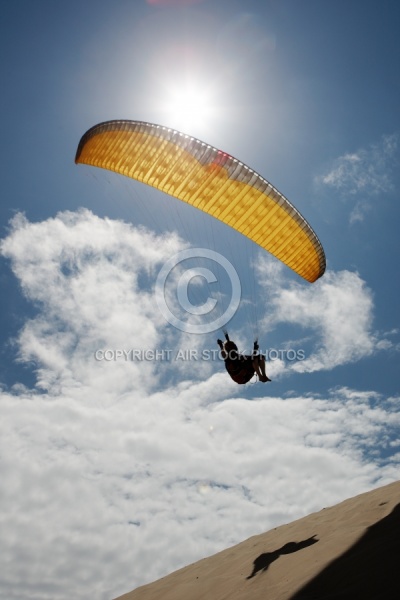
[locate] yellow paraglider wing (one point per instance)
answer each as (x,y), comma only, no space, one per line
(210,180)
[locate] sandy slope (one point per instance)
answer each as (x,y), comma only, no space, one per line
(351,550)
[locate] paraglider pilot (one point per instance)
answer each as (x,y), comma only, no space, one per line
(241,367)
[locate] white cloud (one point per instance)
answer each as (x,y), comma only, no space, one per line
(84,273)
(117,472)
(359,211)
(337,309)
(367,172)
(99,500)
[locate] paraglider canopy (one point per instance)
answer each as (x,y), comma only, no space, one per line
(209,180)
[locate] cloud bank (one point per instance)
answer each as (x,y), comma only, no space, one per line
(115,473)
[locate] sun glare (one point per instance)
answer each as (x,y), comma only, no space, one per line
(189,108)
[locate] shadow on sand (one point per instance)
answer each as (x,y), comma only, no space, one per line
(370,569)
(263,561)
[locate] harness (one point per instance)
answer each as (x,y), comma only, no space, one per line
(240,369)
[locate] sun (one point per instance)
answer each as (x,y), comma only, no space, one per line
(189,108)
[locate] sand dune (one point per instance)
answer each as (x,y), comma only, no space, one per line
(351,550)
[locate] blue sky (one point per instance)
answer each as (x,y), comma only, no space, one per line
(117,472)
